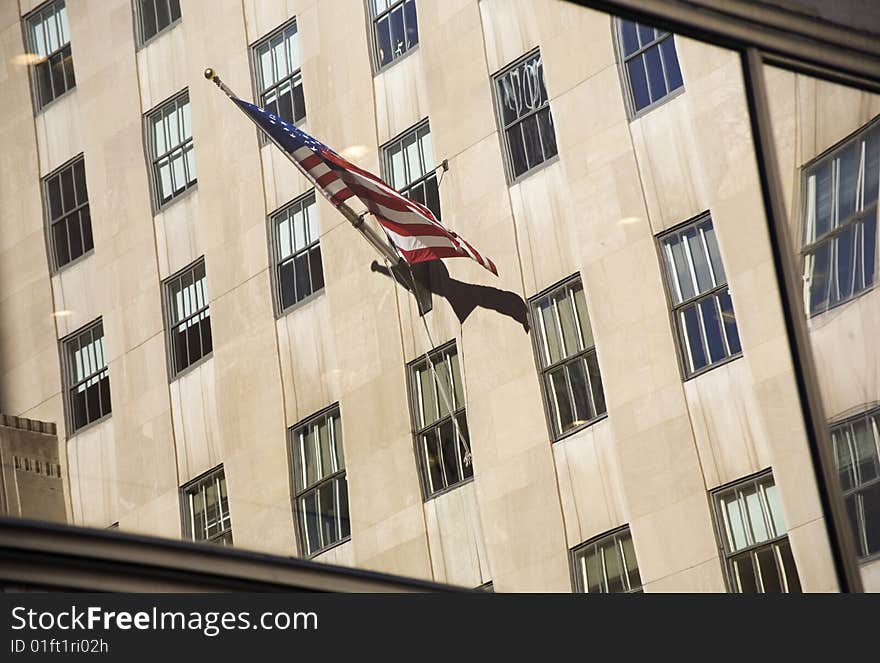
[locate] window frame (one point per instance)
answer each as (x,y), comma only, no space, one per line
(187,525)
(152,158)
(614,535)
(142,42)
(417,432)
(262,139)
(276,260)
(296,494)
(872,411)
(388,171)
(373,34)
(543,371)
(726,556)
(54,267)
(167,308)
(36,96)
(69,384)
(502,128)
(625,82)
(804,249)
(678,332)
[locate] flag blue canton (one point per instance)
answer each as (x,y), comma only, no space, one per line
(285,134)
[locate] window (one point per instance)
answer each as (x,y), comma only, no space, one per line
(321,499)
(650,65)
(857,450)
(298,268)
(409,167)
(206,509)
(395,30)
(171,149)
(567,357)
(49,37)
(756,549)
(156,15)
(279,79)
(87,377)
(524,109)
(440,421)
(70,224)
(189,317)
(701,304)
(840,229)
(606,565)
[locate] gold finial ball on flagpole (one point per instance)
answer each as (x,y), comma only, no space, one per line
(209,73)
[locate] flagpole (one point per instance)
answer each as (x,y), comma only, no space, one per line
(355,219)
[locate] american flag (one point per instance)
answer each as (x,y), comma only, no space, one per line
(411,226)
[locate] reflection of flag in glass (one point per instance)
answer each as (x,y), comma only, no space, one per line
(412,227)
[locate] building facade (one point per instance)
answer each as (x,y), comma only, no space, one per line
(226,360)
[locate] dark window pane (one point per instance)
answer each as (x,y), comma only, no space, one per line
(656,82)
(848,171)
(301,269)
(316,268)
(310,516)
(343,507)
(44,82)
(670,63)
(67,195)
(207,340)
(299,102)
(712,325)
(843,277)
(383,32)
(548,133)
(398,38)
(106,407)
(769,573)
(85,221)
(148,18)
(693,337)
(868,255)
(78,405)
(68,68)
(729,320)
(852,510)
(79,182)
(327,500)
(789,568)
(646,34)
(449,442)
(596,381)
(417,193)
(163,16)
(54,190)
(412,28)
(638,83)
(175,9)
(613,568)
(819,278)
(823,200)
(286,283)
(430,447)
(285,104)
(463,434)
(432,196)
(628,37)
(62,246)
(744,574)
(93,400)
(560,402)
(272,106)
(57,64)
(194,343)
(518,162)
(75,234)
(577,373)
(534,155)
(871,508)
(181,351)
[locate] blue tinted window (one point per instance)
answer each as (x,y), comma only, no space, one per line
(651,64)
